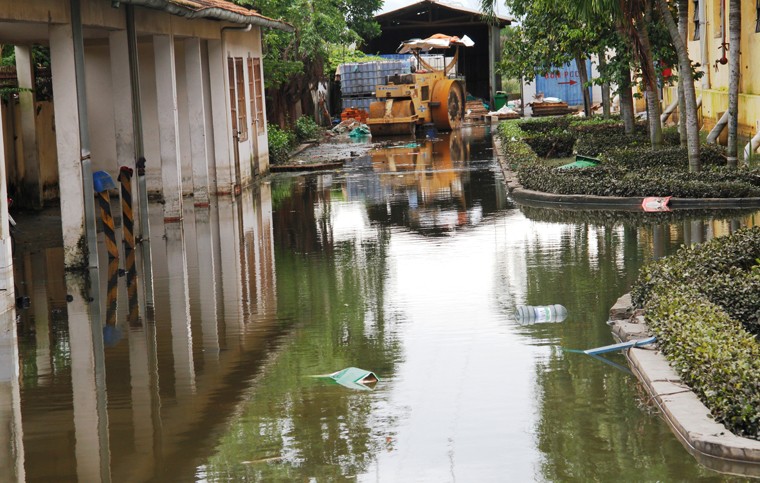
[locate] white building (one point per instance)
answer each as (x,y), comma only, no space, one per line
(179,82)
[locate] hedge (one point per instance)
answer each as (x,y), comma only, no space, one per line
(703,305)
(628,172)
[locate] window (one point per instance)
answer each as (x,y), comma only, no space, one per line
(695,19)
(255,88)
(757,15)
(235,69)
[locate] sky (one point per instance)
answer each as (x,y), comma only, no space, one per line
(472,4)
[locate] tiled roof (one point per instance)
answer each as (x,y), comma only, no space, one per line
(199,5)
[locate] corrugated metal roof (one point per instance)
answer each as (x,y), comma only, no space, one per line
(506,19)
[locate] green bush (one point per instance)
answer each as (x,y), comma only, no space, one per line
(306,128)
(629,166)
(713,354)
(280,142)
(544,124)
(703,304)
(551,144)
(594,144)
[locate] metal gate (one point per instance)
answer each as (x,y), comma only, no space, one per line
(565,83)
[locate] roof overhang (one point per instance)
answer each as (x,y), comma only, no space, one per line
(212,9)
(421,5)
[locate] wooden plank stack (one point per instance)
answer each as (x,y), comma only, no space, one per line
(474,110)
(551,108)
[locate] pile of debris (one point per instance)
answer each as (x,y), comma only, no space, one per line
(475,110)
(550,106)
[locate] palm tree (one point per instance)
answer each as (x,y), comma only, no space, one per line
(734,31)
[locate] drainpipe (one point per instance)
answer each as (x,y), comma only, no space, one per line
(703,45)
(751,147)
(137,127)
(712,138)
(84,135)
(668,111)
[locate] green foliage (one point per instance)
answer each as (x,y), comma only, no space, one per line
(629,168)
(553,144)
(306,128)
(703,304)
(294,61)
(341,54)
(281,142)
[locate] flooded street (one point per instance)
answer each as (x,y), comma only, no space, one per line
(199,364)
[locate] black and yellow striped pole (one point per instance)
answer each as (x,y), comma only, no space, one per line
(102,182)
(111,333)
(127,215)
(133,317)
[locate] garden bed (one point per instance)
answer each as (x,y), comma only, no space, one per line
(628,167)
(704,306)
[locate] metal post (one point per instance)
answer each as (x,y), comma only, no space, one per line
(134,72)
(84,135)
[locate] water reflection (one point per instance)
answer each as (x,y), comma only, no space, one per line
(121,383)
(192,357)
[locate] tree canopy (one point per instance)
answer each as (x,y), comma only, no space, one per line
(294,61)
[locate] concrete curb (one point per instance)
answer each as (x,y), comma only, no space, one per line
(710,442)
(542,199)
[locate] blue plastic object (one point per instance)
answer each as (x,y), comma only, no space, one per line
(102,181)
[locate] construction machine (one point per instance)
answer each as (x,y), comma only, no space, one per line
(427,96)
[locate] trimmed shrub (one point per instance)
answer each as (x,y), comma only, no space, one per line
(593,144)
(280,143)
(306,128)
(703,304)
(544,124)
(552,144)
(713,354)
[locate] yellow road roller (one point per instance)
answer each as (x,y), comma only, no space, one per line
(427,96)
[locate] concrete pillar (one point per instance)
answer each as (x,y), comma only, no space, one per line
(207,262)
(220,113)
(32,186)
(179,305)
(87,382)
(231,269)
(39,264)
(141,393)
(122,98)
(196,111)
(68,145)
(11,429)
(168,126)
(7,295)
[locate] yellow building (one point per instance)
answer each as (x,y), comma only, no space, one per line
(708,34)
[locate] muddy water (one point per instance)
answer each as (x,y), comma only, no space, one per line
(410,262)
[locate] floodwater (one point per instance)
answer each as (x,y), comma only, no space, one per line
(198,364)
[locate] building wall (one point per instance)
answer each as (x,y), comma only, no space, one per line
(714,86)
(100,114)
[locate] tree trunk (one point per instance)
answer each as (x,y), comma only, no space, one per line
(605,87)
(650,79)
(734,69)
(626,101)
(683,31)
(580,62)
(684,70)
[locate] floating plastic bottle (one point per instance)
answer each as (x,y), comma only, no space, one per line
(533,314)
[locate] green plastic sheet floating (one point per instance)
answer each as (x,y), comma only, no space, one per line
(579,164)
(354,378)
